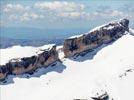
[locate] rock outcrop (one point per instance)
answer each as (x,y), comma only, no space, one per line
(72,46)
(94,38)
(28,64)
(104,96)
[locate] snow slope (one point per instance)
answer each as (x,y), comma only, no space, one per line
(104,69)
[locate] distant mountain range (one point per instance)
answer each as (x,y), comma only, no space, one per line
(8,42)
(34,33)
(35,37)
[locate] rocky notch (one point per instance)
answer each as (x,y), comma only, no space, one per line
(43,58)
(94,38)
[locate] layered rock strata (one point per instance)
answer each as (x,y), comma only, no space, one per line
(43,58)
(94,38)
(72,46)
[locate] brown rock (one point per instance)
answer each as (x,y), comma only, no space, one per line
(94,38)
(27,64)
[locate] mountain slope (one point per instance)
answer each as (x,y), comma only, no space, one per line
(106,69)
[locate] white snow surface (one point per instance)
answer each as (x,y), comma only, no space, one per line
(20,52)
(82,78)
(75,36)
(108,28)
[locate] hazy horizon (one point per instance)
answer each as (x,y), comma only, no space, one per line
(50,20)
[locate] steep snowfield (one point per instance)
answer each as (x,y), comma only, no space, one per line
(105,69)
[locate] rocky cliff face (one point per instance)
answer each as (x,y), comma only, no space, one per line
(103,34)
(72,46)
(28,64)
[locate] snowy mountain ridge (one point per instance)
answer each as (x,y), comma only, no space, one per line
(14,62)
(107,70)
(81,79)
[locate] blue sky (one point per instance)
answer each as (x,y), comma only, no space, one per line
(64,14)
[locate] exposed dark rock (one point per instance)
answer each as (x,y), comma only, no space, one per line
(29,64)
(94,38)
(126,72)
(104,96)
(3,72)
(72,46)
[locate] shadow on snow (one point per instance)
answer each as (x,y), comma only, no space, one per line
(56,67)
